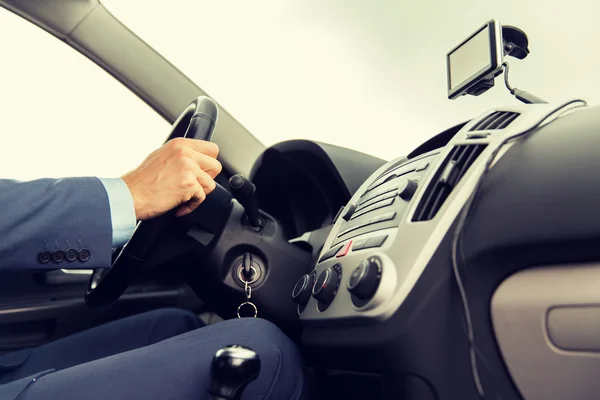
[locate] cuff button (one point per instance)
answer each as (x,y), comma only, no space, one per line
(84,255)
(71,255)
(58,256)
(44,257)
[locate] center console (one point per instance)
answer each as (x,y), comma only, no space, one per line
(384,238)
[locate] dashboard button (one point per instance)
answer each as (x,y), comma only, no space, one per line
(383,196)
(394,174)
(349,229)
(376,241)
(377,194)
(330,253)
(344,250)
(338,215)
(387,216)
(303,289)
(365,223)
(365,278)
(359,244)
(368,222)
(374,206)
(422,166)
(376,184)
(386,179)
(347,214)
(407,189)
(478,135)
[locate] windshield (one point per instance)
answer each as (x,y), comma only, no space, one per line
(364,75)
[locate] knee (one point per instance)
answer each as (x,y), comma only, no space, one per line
(174,315)
(168,322)
(282,369)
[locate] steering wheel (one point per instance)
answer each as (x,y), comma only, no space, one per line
(106,285)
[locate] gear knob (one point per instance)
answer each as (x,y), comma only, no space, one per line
(233,367)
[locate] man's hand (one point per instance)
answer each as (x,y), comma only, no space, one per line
(179,174)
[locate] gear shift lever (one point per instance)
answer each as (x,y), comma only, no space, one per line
(233,367)
(245,192)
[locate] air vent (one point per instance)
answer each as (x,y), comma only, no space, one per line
(496,120)
(446,178)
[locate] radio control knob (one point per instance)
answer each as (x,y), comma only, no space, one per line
(303,289)
(407,189)
(365,278)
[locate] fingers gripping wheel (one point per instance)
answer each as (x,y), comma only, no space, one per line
(197,121)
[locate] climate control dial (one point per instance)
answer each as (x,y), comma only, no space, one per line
(303,288)
(327,285)
(364,281)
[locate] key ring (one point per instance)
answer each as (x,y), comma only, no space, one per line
(248,303)
(254,277)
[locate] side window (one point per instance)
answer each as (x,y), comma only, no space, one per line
(61,115)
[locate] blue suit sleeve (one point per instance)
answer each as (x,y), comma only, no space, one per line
(55,223)
(122,211)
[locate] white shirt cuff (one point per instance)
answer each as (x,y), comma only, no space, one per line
(122,210)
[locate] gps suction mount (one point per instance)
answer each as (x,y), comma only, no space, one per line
(515,44)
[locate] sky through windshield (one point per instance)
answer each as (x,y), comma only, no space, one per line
(365,75)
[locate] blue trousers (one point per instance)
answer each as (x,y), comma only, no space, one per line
(160,355)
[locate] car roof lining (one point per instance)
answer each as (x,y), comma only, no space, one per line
(88,27)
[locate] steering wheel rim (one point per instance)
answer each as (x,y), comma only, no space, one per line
(106,285)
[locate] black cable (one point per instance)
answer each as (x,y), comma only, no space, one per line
(462,221)
(522,95)
(510,88)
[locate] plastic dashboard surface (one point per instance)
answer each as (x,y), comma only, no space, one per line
(399,216)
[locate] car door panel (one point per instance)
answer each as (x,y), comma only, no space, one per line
(38,307)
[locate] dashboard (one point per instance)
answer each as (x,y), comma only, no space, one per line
(467,269)
(303,184)
(388,295)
